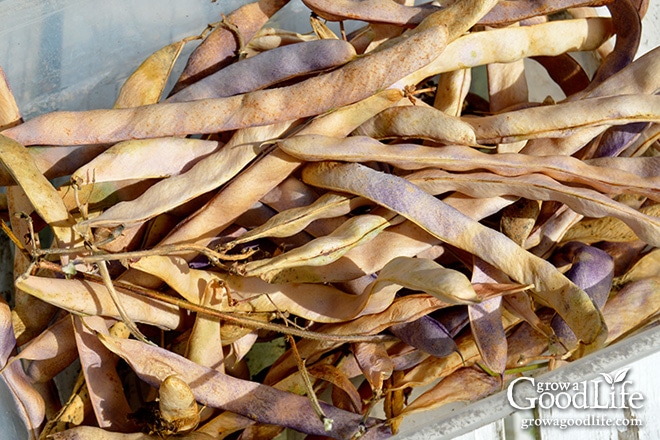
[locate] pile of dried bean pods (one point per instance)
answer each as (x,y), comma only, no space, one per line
(344,196)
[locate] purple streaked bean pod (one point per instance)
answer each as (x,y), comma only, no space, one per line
(426,334)
(592,271)
(269,68)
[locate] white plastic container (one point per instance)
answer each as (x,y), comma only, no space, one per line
(75,54)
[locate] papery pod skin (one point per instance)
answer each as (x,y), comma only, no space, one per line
(593,271)
(427,334)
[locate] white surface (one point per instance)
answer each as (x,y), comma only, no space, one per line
(75,54)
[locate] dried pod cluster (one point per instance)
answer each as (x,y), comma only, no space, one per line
(349,194)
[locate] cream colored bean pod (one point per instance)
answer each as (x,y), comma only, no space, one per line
(177,405)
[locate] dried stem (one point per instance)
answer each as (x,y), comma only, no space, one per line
(227,316)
